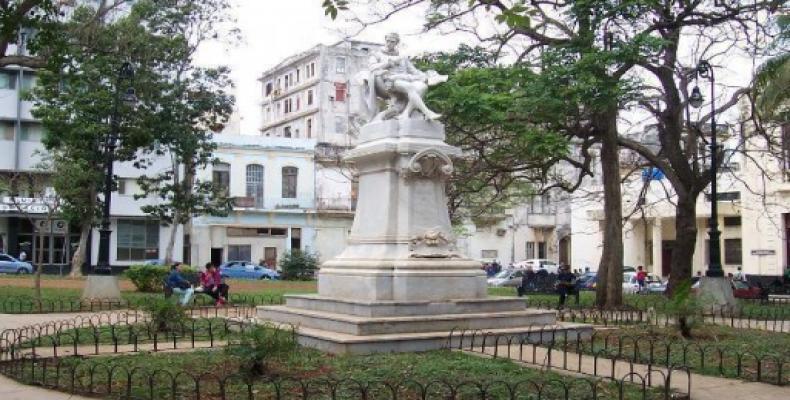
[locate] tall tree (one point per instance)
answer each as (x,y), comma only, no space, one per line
(615,55)
(194,102)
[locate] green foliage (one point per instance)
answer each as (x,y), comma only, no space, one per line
(685,307)
(332,7)
(262,344)
(149,278)
(166,315)
(298,265)
(511,139)
(772,82)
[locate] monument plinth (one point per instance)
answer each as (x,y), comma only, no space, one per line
(401,284)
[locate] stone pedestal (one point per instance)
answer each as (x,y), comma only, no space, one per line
(101,287)
(716,292)
(401,284)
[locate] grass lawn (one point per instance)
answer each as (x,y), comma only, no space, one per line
(441,369)
(713,350)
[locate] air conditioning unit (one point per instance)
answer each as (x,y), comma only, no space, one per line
(501,232)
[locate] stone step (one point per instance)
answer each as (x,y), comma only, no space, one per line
(342,343)
(356,325)
(397,308)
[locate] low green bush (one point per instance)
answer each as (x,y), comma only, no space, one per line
(165,314)
(148,278)
(298,265)
(262,344)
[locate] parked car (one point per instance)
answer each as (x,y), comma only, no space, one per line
(506,278)
(154,262)
(653,283)
(11,265)
(627,268)
(746,290)
(587,281)
(247,270)
(538,263)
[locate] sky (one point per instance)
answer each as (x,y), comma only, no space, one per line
(276,29)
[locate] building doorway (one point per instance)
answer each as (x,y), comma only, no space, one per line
(666,256)
(270,256)
(216,256)
(565,245)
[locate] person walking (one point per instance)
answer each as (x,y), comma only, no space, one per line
(566,285)
(527,281)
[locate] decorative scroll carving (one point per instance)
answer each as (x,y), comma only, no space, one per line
(429,163)
(433,243)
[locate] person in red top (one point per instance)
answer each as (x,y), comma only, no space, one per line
(641,276)
(212,284)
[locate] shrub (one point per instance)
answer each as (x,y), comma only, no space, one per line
(298,265)
(260,345)
(165,315)
(148,278)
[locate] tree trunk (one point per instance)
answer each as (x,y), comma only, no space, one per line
(685,242)
(172,240)
(40,257)
(78,259)
(611,266)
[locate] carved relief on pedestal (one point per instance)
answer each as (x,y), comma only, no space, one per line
(433,243)
(429,163)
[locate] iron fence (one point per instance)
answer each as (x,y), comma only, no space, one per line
(29,305)
(637,352)
(97,378)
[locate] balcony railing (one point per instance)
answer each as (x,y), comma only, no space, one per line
(340,203)
(273,203)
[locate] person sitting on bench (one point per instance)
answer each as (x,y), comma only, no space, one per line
(212,284)
(179,285)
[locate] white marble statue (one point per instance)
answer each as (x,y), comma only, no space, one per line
(394,79)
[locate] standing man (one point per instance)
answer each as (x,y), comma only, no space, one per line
(641,276)
(566,284)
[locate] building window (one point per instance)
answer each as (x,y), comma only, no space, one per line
(138,240)
(732,251)
(289,182)
(286,81)
(7,80)
(31,132)
(122,187)
(287,131)
(269,88)
(340,124)
(221,177)
(541,249)
(310,97)
(296,238)
(309,128)
(530,250)
(6,130)
(240,252)
(488,254)
(732,221)
(340,92)
(297,75)
(29,81)
(340,65)
(311,70)
(298,103)
(255,184)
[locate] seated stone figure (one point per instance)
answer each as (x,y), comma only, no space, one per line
(393,78)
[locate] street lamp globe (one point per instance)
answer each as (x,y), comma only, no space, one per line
(130,97)
(696,99)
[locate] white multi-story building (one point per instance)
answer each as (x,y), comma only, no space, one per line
(753,208)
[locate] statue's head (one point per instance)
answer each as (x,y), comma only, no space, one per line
(392,40)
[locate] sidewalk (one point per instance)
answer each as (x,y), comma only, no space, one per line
(12,390)
(702,387)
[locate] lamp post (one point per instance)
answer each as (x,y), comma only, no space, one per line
(125,74)
(696,99)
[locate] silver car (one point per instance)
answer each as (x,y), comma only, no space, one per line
(506,278)
(10,265)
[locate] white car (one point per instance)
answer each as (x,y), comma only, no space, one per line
(653,283)
(506,278)
(538,263)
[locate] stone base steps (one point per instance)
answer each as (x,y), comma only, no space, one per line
(398,308)
(341,343)
(362,326)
